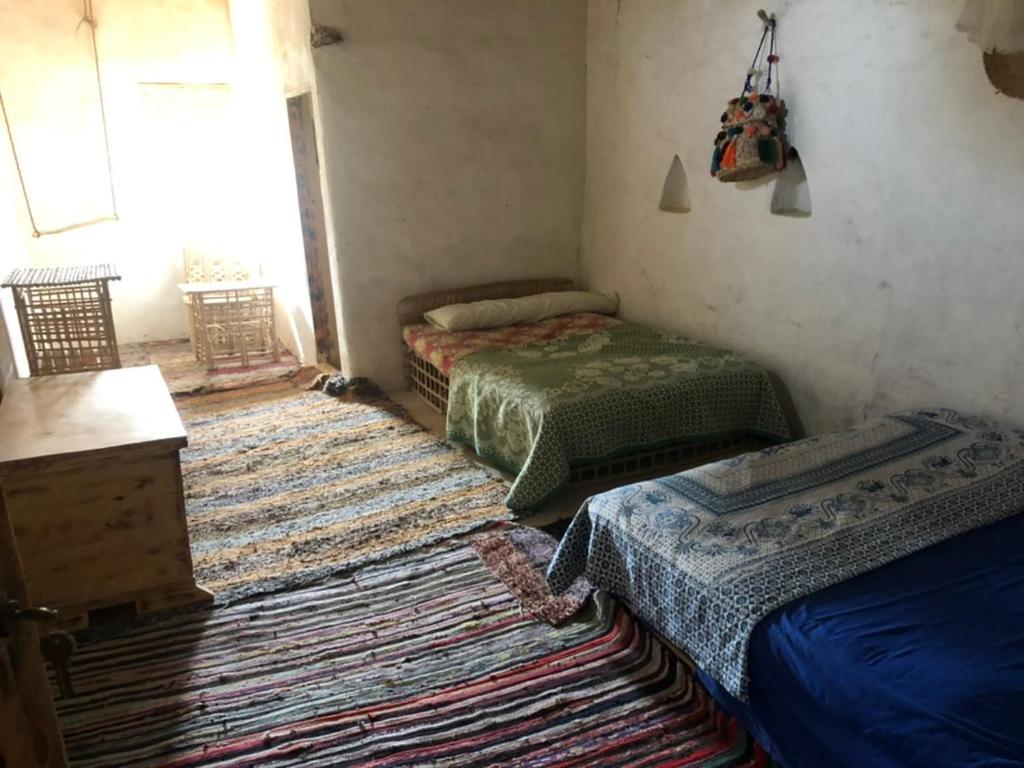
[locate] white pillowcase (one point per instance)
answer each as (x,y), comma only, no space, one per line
(528,309)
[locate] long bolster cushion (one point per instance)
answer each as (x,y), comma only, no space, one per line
(528,309)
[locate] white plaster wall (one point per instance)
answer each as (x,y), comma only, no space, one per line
(139,42)
(12,255)
(8,364)
(290,28)
(904,288)
(272,46)
(452,133)
(205,165)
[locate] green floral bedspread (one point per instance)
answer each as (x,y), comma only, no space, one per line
(537,408)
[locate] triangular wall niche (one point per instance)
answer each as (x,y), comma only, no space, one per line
(792,194)
(675,194)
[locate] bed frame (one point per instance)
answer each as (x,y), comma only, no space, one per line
(432,386)
(427,381)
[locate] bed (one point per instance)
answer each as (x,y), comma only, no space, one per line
(854,599)
(584,396)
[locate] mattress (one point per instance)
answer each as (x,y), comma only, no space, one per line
(443,349)
(539,409)
(920,662)
(855,598)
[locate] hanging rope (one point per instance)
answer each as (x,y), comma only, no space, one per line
(773,60)
(747,86)
(755,71)
(89,19)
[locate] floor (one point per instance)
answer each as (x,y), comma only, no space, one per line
(422,659)
(563,506)
(184,375)
(335,671)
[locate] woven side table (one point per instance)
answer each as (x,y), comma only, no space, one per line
(65,317)
(232,322)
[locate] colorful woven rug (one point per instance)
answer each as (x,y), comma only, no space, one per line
(185,376)
(285,486)
(519,556)
(421,660)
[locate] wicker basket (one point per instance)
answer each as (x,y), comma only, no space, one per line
(752,142)
(66,319)
(203,268)
(233,325)
(427,381)
(1006,72)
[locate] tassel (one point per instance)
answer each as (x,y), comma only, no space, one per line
(729,158)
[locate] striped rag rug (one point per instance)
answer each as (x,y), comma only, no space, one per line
(285,486)
(424,659)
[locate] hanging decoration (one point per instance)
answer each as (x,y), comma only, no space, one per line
(752,142)
(319,36)
(997,27)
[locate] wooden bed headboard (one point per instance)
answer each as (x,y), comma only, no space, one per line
(410,309)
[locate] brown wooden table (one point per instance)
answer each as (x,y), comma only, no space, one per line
(89,465)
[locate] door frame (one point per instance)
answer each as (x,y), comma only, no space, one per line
(29,734)
(302,129)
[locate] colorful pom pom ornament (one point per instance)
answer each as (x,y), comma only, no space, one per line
(752,142)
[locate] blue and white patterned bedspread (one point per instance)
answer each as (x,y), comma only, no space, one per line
(704,555)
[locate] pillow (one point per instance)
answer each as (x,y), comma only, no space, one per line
(528,309)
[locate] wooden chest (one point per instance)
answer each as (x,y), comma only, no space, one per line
(89,466)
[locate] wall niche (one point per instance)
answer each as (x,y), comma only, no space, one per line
(675,194)
(792,194)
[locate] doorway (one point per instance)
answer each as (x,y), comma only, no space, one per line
(314,236)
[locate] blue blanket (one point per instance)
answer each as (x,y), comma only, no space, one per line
(704,555)
(920,662)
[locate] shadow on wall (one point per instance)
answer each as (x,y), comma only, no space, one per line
(791,194)
(789,410)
